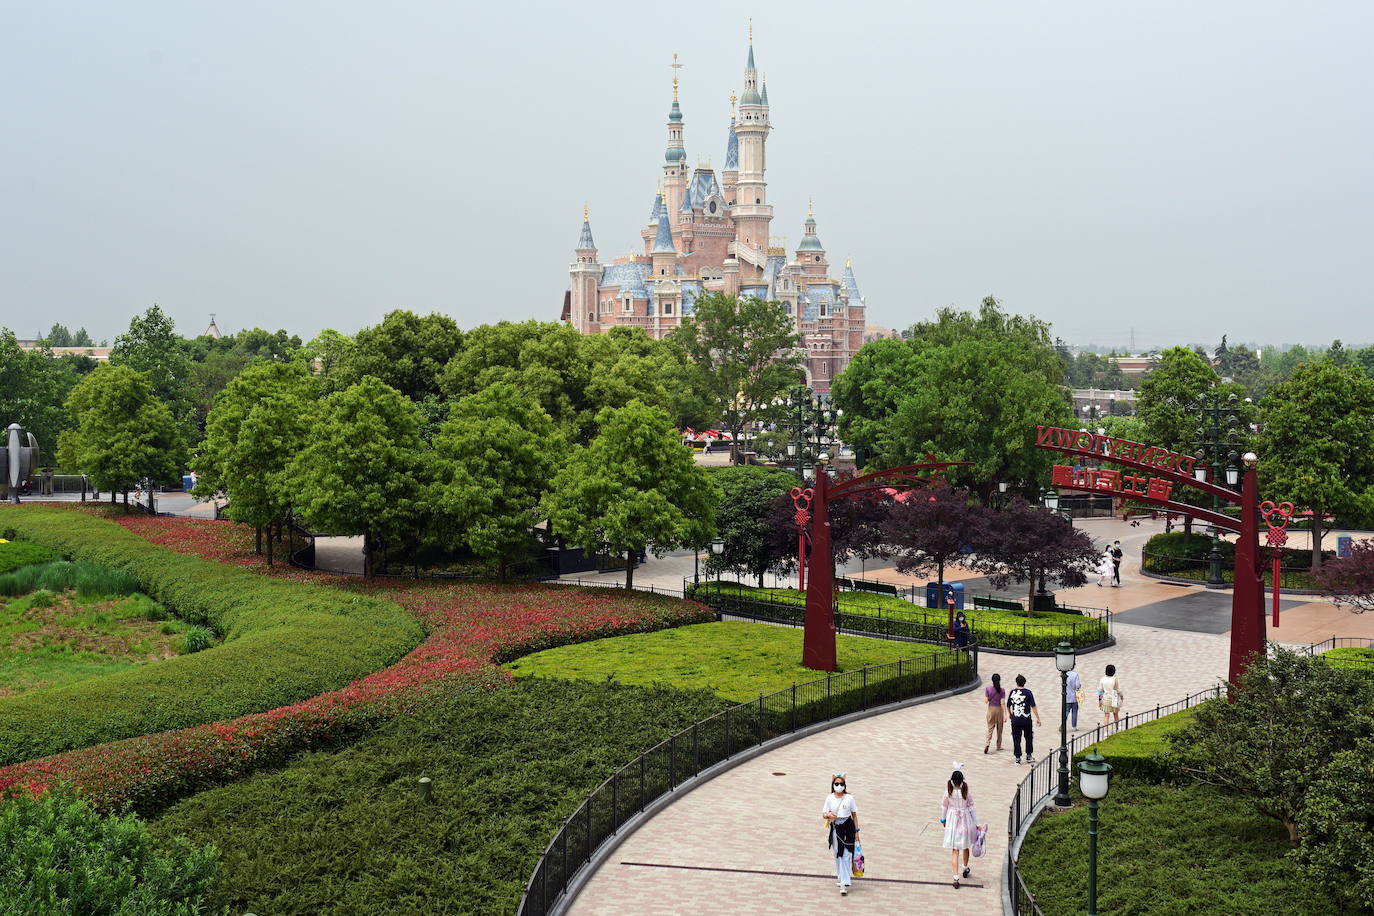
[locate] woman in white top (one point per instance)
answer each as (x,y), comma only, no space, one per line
(1104,567)
(841,814)
(1109,696)
(960,820)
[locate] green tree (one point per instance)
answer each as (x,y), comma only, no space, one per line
(327,353)
(406,351)
(493,460)
(1336,824)
(33,389)
(634,487)
(58,336)
(747,496)
(359,472)
(965,387)
(152,346)
(1179,379)
(744,355)
(1317,445)
(123,432)
(258,424)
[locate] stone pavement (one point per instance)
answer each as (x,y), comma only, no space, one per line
(760,824)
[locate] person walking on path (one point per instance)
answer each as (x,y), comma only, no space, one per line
(1073,697)
(1104,567)
(1020,707)
(1117,554)
(960,822)
(995,695)
(842,815)
(1109,696)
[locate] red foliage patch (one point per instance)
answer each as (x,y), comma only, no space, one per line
(471,626)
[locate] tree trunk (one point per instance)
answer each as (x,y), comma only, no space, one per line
(114,498)
(629,569)
(257,540)
(1292,830)
(501,569)
(760,578)
(269,546)
(367,554)
(1316,538)
(1187,524)
(1030,598)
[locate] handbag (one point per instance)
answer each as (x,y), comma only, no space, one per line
(980,838)
(857,869)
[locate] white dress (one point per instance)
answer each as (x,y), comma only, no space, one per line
(961,821)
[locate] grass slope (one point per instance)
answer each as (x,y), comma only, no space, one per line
(344,833)
(735,660)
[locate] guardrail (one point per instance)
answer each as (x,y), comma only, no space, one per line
(1043,781)
(890,623)
(1342,642)
(710,742)
(1198,570)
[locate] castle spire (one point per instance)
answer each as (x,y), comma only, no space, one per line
(663,240)
(584,241)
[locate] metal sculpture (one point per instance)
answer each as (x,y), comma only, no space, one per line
(19,460)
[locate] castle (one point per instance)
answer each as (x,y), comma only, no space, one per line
(712,234)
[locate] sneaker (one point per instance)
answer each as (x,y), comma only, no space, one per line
(967,870)
(844,891)
(956,882)
(1018,759)
(1030,759)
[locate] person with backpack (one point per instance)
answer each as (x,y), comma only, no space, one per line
(841,814)
(960,821)
(1020,707)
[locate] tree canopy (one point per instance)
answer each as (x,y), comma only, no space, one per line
(742,522)
(123,431)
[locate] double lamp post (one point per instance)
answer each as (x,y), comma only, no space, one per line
(1094,773)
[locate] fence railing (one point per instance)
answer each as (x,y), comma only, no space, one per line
(874,619)
(1342,642)
(1198,569)
(664,767)
(1043,781)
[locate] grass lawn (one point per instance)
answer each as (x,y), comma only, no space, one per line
(734,660)
(53,639)
(1167,850)
(344,833)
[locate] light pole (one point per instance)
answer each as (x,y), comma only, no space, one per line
(1044,599)
(1064,659)
(1094,781)
(717,548)
(1220,418)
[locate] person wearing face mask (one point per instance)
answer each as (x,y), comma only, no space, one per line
(959,820)
(841,814)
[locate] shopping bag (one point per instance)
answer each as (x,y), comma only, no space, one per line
(857,870)
(980,837)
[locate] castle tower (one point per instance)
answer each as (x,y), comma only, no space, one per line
(586,276)
(751,211)
(675,157)
(730,174)
(664,254)
(810,252)
(651,231)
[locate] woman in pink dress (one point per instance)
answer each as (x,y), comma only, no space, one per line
(960,821)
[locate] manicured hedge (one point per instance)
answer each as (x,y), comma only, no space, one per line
(1141,752)
(283,642)
(17,554)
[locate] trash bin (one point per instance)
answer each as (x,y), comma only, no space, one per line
(187,482)
(934,598)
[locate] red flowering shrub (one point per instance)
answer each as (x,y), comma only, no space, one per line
(471,627)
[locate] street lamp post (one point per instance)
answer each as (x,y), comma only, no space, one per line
(1219,418)
(1044,599)
(811,425)
(1094,781)
(1064,659)
(717,548)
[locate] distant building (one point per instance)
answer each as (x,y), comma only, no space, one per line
(212,330)
(99,354)
(711,233)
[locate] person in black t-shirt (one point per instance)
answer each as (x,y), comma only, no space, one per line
(1117,554)
(1020,707)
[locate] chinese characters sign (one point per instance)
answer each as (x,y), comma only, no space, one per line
(1110,481)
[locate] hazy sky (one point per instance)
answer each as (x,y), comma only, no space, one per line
(1185,169)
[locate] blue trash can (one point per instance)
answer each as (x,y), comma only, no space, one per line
(186,482)
(934,599)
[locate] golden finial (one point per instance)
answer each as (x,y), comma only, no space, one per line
(733,100)
(585,213)
(676,67)
(751,29)
(848,263)
(810,207)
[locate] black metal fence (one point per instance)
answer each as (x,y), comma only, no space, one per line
(1343,642)
(1043,781)
(1198,569)
(873,618)
(661,769)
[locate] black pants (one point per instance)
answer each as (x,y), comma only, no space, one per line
(1116,572)
(1022,727)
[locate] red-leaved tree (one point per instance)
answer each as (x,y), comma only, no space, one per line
(1349,581)
(1022,540)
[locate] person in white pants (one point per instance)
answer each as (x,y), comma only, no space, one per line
(841,813)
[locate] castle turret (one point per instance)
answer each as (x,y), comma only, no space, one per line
(810,252)
(729,176)
(651,231)
(663,253)
(586,277)
(752,212)
(675,157)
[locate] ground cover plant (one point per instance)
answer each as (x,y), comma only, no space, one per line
(470,625)
(1353,658)
(995,629)
(58,856)
(343,832)
(1166,849)
(282,643)
(14,554)
(737,661)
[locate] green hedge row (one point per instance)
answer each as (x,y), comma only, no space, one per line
(18,554)
(1142,752)
(283,642)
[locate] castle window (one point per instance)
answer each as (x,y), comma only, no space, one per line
(818,258)
(667,308)
(591,316)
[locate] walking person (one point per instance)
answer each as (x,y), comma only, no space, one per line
(1104,567)
(1117,553)
(960,822)
(995,695)
(1020,707)
(842,815)
(1073,697)
(1109,696)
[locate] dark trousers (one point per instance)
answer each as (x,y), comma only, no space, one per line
(1021,727)
(1116,572)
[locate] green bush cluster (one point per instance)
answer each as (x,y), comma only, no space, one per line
(17,554)
(344,831)
(90,580)
(1143,753)
(1183,555)
(196,639)
(59,857)
(282,642)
